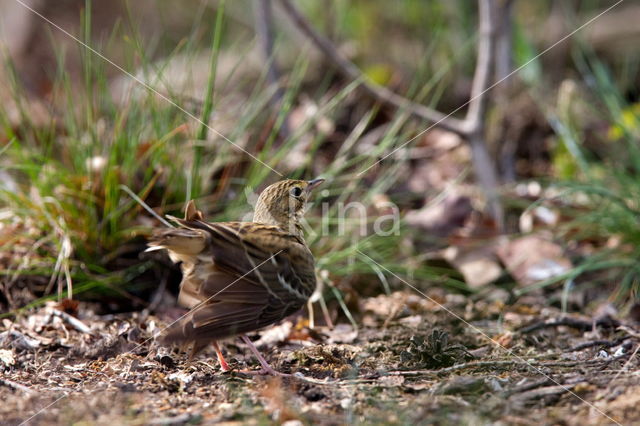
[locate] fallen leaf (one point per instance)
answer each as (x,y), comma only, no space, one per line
(276,334)
(533,258)
(478,266)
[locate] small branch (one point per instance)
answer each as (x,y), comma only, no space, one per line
(74,322)
(351,71)
(264,32)
(540,393)
(503,69)
(474,122)
(183,418)
(482,74)
(631,332)
(467,365)
(545,381)
(591,344)
(498,364)
(486,174)
(578,324)
(504,44)
(16,386)
(472,127)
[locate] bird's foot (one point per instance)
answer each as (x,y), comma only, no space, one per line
(271,372)
(266,368)
(224,366)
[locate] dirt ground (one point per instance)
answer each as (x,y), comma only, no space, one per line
(411,361)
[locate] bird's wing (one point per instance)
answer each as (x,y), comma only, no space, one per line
(249,276)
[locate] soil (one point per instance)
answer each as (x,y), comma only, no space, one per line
(412,360)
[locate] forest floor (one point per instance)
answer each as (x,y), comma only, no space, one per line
(413,360)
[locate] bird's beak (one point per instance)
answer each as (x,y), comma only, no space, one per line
(312,184)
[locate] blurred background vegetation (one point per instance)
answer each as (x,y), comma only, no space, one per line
(171,98)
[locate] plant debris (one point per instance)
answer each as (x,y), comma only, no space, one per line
(118,372)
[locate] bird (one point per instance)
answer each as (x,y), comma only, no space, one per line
(239,277)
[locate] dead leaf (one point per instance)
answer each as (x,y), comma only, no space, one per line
(274,335)
(478,265)
(533,258)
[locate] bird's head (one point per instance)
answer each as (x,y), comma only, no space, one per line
(283,203)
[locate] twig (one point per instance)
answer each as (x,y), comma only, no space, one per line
(530,386)
(16,386)
(503,363)
(631,332)
(474,122)
(457,367)
(472,127)
(74,322)
(508,144)
(504,44)
(578,324)
(540,393)
(482,75)
(605,343)
(179,419)
(264,32)
(328,381)
(351,71)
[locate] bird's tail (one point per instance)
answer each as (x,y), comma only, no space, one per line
(183,241)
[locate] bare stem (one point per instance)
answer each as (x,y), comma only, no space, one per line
(264,32)
(351,71)
(472,127)
(474,123)
(482,74)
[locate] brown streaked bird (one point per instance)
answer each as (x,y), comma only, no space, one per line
(239,277)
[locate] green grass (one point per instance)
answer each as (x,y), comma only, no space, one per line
(599,180)
(79,221)
(75,218)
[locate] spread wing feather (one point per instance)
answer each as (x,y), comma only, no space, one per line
(247,277)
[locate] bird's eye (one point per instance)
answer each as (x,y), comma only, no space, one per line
(296,191)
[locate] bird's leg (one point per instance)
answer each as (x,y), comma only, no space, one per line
(263,362)
(312,321)
(318,296)
(223,362)
(198,346)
